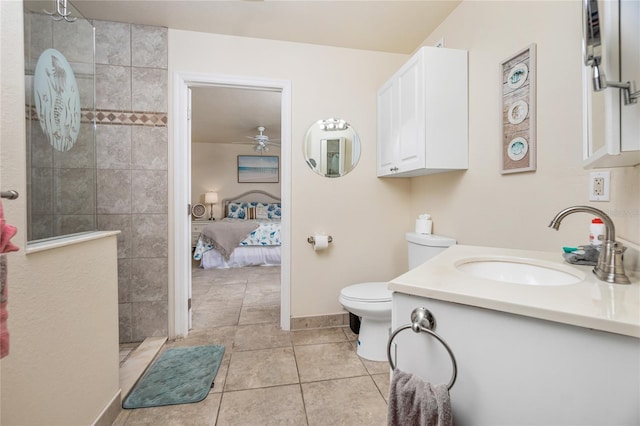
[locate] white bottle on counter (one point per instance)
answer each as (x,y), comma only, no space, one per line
(596,232)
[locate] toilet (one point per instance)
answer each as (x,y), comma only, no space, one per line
(371,301)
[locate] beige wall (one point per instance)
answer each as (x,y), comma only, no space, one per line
(63,317)
(482,207)
(214,167)
(366,216)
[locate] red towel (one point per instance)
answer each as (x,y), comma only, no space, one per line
(6,233)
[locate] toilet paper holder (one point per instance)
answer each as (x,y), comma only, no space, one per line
(312,240)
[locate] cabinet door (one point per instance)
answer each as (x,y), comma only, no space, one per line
(387,136)
(410,116)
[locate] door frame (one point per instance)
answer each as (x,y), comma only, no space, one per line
(180,195)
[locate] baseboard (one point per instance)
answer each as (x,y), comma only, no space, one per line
(320,321)
(110,412)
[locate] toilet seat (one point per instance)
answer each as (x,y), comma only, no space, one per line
(372,292)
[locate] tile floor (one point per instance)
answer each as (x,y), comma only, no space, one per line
(267,376)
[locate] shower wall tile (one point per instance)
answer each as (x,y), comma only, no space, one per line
(149,46)
(149,148)
(113,43)
(85,77)
(122,223)
(124,280)
(149,89)
(81,155)
(72,224)
(149,190)
(113,87)
(125,320)
(149,319)
(114,191)
(41,226)
(74,191)
(132,157)
(74,40)
(38,37)
(41,149)
(42,191)
(149,235)
(144,277)
(113,147)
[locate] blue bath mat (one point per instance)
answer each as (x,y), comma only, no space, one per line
(179,376)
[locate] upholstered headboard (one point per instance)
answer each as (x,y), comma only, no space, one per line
(255,196)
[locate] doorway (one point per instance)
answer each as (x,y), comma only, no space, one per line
(180,278)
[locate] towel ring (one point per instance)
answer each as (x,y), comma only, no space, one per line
(423,321)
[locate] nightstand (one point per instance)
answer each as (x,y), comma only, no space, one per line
(196,228)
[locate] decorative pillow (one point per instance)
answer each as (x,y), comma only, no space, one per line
(274,211)
(262,211)
(236,210)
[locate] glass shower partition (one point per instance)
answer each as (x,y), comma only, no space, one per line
(60,120)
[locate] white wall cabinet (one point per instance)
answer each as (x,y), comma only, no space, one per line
(423,115)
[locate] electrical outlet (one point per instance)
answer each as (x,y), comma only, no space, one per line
(599,183)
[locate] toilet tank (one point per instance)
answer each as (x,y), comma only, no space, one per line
(423,247)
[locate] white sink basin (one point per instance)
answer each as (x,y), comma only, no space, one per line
(521,271)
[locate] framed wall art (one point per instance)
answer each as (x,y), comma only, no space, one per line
(518,112)
(258,169)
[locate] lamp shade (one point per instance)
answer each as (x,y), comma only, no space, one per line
(211,197)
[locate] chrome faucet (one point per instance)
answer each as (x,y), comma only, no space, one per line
(609,267)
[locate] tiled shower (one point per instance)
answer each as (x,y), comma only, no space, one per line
(132,177)
(117,180)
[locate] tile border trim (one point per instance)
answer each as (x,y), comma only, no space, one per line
(114,117)
(319,321)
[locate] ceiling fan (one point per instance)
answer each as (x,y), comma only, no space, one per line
(261,141)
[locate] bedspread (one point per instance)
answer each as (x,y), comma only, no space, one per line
(267,234)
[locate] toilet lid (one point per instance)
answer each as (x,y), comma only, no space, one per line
(368,292)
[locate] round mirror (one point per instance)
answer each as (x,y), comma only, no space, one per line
(331,147)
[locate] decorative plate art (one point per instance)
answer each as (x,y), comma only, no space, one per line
(57,100)
(518,119)
(517,112)
(517,76)
(198,210)
(517,149)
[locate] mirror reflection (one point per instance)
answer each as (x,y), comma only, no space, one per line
(331,147)
(611,69)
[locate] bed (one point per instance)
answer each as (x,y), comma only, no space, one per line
(247,235)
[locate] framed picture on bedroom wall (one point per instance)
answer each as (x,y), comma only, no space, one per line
(258,169)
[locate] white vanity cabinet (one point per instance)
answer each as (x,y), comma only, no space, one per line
(423,115)
(515,369)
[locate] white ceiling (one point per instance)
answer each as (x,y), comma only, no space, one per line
(223,115)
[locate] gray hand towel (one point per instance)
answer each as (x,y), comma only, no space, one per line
(414,402)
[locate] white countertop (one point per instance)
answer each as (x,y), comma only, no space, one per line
(590,303)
